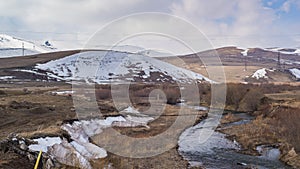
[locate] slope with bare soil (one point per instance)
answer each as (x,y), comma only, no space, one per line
(276,124)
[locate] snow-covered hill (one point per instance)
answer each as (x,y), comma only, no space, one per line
(154,53)
(289,51)
(11,46)
(137,50)
(105,66)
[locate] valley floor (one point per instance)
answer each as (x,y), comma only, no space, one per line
(31,110)
(35,109)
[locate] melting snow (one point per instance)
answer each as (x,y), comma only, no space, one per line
(89,150)
(261,73)
(99,66)
(65,153)
(12,46)
(130,110)
(6,77)
(245,52)
(80,150)
(44,143)
(63,93)
(295,72)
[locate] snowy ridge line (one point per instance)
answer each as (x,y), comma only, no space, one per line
(284,50)
(11,46)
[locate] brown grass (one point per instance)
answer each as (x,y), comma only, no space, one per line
(288,121)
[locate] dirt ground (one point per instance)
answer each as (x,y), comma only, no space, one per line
(32,110)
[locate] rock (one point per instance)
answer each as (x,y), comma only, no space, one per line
(72,109)
(49,164)
(30,157)
(23,146)
(241,163)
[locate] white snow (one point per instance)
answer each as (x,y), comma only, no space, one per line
(281,50)
(245,52)
(101,66)
(136,50)
(63,93)
(295,72)
(260,73)
(6,77)
(89,150)
(154,53)
(80,131)
(11,46)
(65,153)
(44,143)
(80,150)
(130,110)
(268,152)
(122,48)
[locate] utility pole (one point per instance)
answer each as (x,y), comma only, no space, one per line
(23,50)
(245,60)
(278,62)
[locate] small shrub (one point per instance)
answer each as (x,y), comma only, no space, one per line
(102,94)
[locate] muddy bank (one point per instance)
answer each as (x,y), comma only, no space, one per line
(274,127)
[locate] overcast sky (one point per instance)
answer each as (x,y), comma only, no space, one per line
(246,23)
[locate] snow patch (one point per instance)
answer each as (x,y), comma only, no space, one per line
(261,73)
(245,52)
(63,93)
(295,72)
(65,153)
(130,110)
(284,50)
(80,150)
(6,77)
(44,143)
(12,47)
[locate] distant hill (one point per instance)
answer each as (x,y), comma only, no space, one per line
(11,47)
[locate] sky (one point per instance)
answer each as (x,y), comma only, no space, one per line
(71,23)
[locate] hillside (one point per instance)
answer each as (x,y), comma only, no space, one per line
(11,46)
(112,66)
(241,64)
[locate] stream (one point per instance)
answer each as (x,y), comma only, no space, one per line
(220,153)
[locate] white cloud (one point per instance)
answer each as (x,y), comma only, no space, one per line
(286,6)
(241,20)
(232,22)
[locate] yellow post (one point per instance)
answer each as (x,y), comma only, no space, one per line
(38,160)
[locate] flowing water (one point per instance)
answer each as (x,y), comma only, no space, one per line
(220,153)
